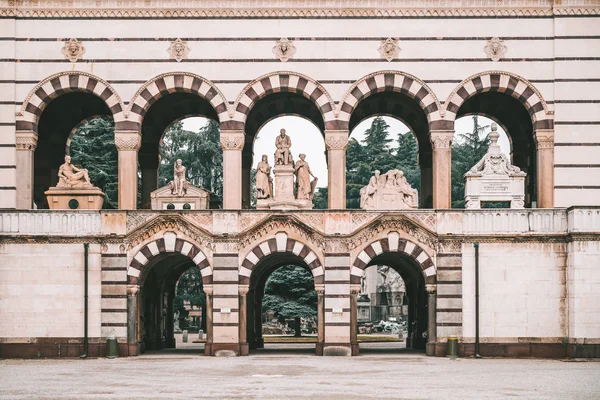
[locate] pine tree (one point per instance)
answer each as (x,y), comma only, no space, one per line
(406,156)
(190,288)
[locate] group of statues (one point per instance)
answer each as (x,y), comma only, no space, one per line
(305,188)
(388,191)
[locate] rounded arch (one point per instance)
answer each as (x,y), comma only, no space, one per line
(393,243)
(169,243)
(389,81)
(504,82)
(74,131)
(281,243)
(283,81)
(173,82)
(65,82)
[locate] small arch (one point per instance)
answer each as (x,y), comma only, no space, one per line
(504,82)
(281,243)
(169,243)
(395,244)
(65,82)
(283,81)
(173,82)
(389,81)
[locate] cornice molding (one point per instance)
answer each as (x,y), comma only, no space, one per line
(291,8)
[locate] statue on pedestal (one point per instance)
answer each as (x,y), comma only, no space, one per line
(282,154)
(264,183)
(306,188)
(69,176)
(179,184)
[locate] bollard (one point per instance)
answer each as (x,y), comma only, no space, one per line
(200,334)
(112,351)
(452,347)
(185,336)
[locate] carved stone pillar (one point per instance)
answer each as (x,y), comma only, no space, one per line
(354,291)
(132,320)
(544,139)
(128,144)
(441,142)
(320,289)
(232,142)
(26,145)
(431,319)
(336,143)
(208,291)
(243,319)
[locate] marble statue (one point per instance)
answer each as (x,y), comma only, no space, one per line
(305,187)
(392,281)
(264,183)
(69,176)
(179,184)
(283,156)
(389,191)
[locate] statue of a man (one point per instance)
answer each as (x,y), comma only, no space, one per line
(263,179)
(367,192)
(70,176)
(178,184)
(283,144)
(303,174)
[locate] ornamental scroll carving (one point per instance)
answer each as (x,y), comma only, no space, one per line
(169,223)
(441,141)
(232,142)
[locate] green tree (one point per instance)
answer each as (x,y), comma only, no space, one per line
(406,158)
(467,150)
(290,292)
(93,147)
(190,288)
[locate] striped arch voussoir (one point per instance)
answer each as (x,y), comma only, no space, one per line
(65,82)
(283,82)
(165,84)
(169,243)
(390,81)
(281,243)
(393,243)
(503,82)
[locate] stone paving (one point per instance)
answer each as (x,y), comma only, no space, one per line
(293,373)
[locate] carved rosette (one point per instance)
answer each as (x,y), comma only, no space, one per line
(284,49)
(73,50)
(26,141)
(336,142)
(127,141)
(389,49)
(233,141)
(178,50)
(495,49)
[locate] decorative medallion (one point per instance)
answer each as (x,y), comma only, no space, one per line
(284,49)
(178,50)
(495,49)
(389,49)
(73,50)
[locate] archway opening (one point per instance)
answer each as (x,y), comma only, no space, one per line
(172,300)
(166,119)
(408,110)
(514,119)
(396,308)
(267,109)
(281,306)
(55,126)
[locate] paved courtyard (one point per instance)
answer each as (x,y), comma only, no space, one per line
(284,374)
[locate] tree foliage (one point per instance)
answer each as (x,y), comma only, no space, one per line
(190,288)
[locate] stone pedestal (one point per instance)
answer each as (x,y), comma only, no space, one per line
(195,198)
(284,198)
(84,199)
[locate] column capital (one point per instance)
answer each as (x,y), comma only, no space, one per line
(441,139)
(132,290)
(431,289)
(208,290)
(127,140)
(320,289)
(233,140)
(336,140)
(243,290)
(354,290)
(26,140)
(544,138)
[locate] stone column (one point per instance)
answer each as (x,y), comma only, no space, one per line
(320,289)
(132,320)
(259,340)
(426,190)
(26,145)
(336,143)
(208,291)
(441,142)
(354,291)
(246,179)
(431,319)
(243,292)
(232,143)
(149,163)
(128,144)
(544,139)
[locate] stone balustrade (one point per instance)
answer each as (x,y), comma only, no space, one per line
(444,222)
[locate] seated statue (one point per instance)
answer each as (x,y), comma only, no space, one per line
(283,156)
(69,176)
(389,191)
(179,184)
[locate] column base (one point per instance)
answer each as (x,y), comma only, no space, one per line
(337,349)
(430,349)
(226,349)
(319,349)
(134,349)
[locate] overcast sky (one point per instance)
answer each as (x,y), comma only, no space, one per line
(307,139)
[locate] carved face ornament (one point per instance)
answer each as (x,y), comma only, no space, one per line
(73,50)
(284,49)
(388,49)
(178,50)
(495,49)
